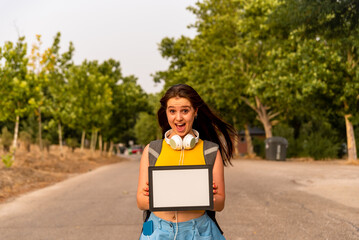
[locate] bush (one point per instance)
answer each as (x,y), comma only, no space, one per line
(7,160)
(6,139)
(46,143)
(258,147)
(25,137)
(318,140)
(72,142)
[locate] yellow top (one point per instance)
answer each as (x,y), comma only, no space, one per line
(171,157)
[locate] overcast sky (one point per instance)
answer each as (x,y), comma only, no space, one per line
(126,30)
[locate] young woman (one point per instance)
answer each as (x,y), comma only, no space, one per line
(185,118)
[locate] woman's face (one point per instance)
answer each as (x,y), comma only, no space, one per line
(180,114)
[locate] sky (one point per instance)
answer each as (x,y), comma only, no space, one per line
(128,31)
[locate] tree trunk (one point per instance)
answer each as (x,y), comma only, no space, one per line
(264,118)
(262,115)
(94,140)
(352,151)
(247,135)
(100,143)
(60,140)
(40,136)
(235,141)
(83,140)
(40,131)
(267,127)
(92,137)
(105,147)
(109,154)
(16,133)
(236,138)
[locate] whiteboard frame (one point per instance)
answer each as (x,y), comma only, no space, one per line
(152,170)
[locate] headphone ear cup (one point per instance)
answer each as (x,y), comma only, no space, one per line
(176,142)
(189,141)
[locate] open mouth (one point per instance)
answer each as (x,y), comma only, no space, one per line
(180,127)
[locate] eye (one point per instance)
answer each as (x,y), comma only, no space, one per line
(172,111)
(185,111)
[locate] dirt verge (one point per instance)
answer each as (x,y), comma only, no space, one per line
(33,170)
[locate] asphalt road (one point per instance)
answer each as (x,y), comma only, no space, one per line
(265,200)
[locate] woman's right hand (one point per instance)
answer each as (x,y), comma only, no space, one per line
(146,190)
(143,187)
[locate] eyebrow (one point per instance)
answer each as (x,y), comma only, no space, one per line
(180,107)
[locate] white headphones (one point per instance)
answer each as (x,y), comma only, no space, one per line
(177,143)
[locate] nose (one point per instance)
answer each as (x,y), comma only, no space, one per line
(178,116)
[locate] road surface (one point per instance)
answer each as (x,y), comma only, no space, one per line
(265,200)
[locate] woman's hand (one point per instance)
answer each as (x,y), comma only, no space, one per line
(218,184)
(143,187)
(146,190)
(215,191)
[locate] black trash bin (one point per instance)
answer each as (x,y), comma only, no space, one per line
(276,148)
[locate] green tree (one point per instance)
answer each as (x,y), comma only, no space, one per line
(16,86)
(147,128)
(58,67)
(79,87)
(39,65)
(337,23)
(104,101)
(89,99)
(129,101)
(112,69)
(226,58)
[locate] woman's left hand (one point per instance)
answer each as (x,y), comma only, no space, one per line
(214,190)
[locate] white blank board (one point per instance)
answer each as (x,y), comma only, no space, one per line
(180,187)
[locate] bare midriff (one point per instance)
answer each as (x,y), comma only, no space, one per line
(182,216)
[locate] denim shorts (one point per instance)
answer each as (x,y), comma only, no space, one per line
(202,228)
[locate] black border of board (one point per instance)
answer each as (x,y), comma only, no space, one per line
(181,167)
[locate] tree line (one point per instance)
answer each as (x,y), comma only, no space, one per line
(290,66)
(47,97)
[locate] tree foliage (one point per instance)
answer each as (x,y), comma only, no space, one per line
(335,24)
(290,61)
(69,99)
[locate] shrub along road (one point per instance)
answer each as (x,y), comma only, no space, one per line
(265,200)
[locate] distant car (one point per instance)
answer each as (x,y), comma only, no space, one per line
(136,149)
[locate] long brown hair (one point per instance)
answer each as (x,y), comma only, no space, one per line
(210,126)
